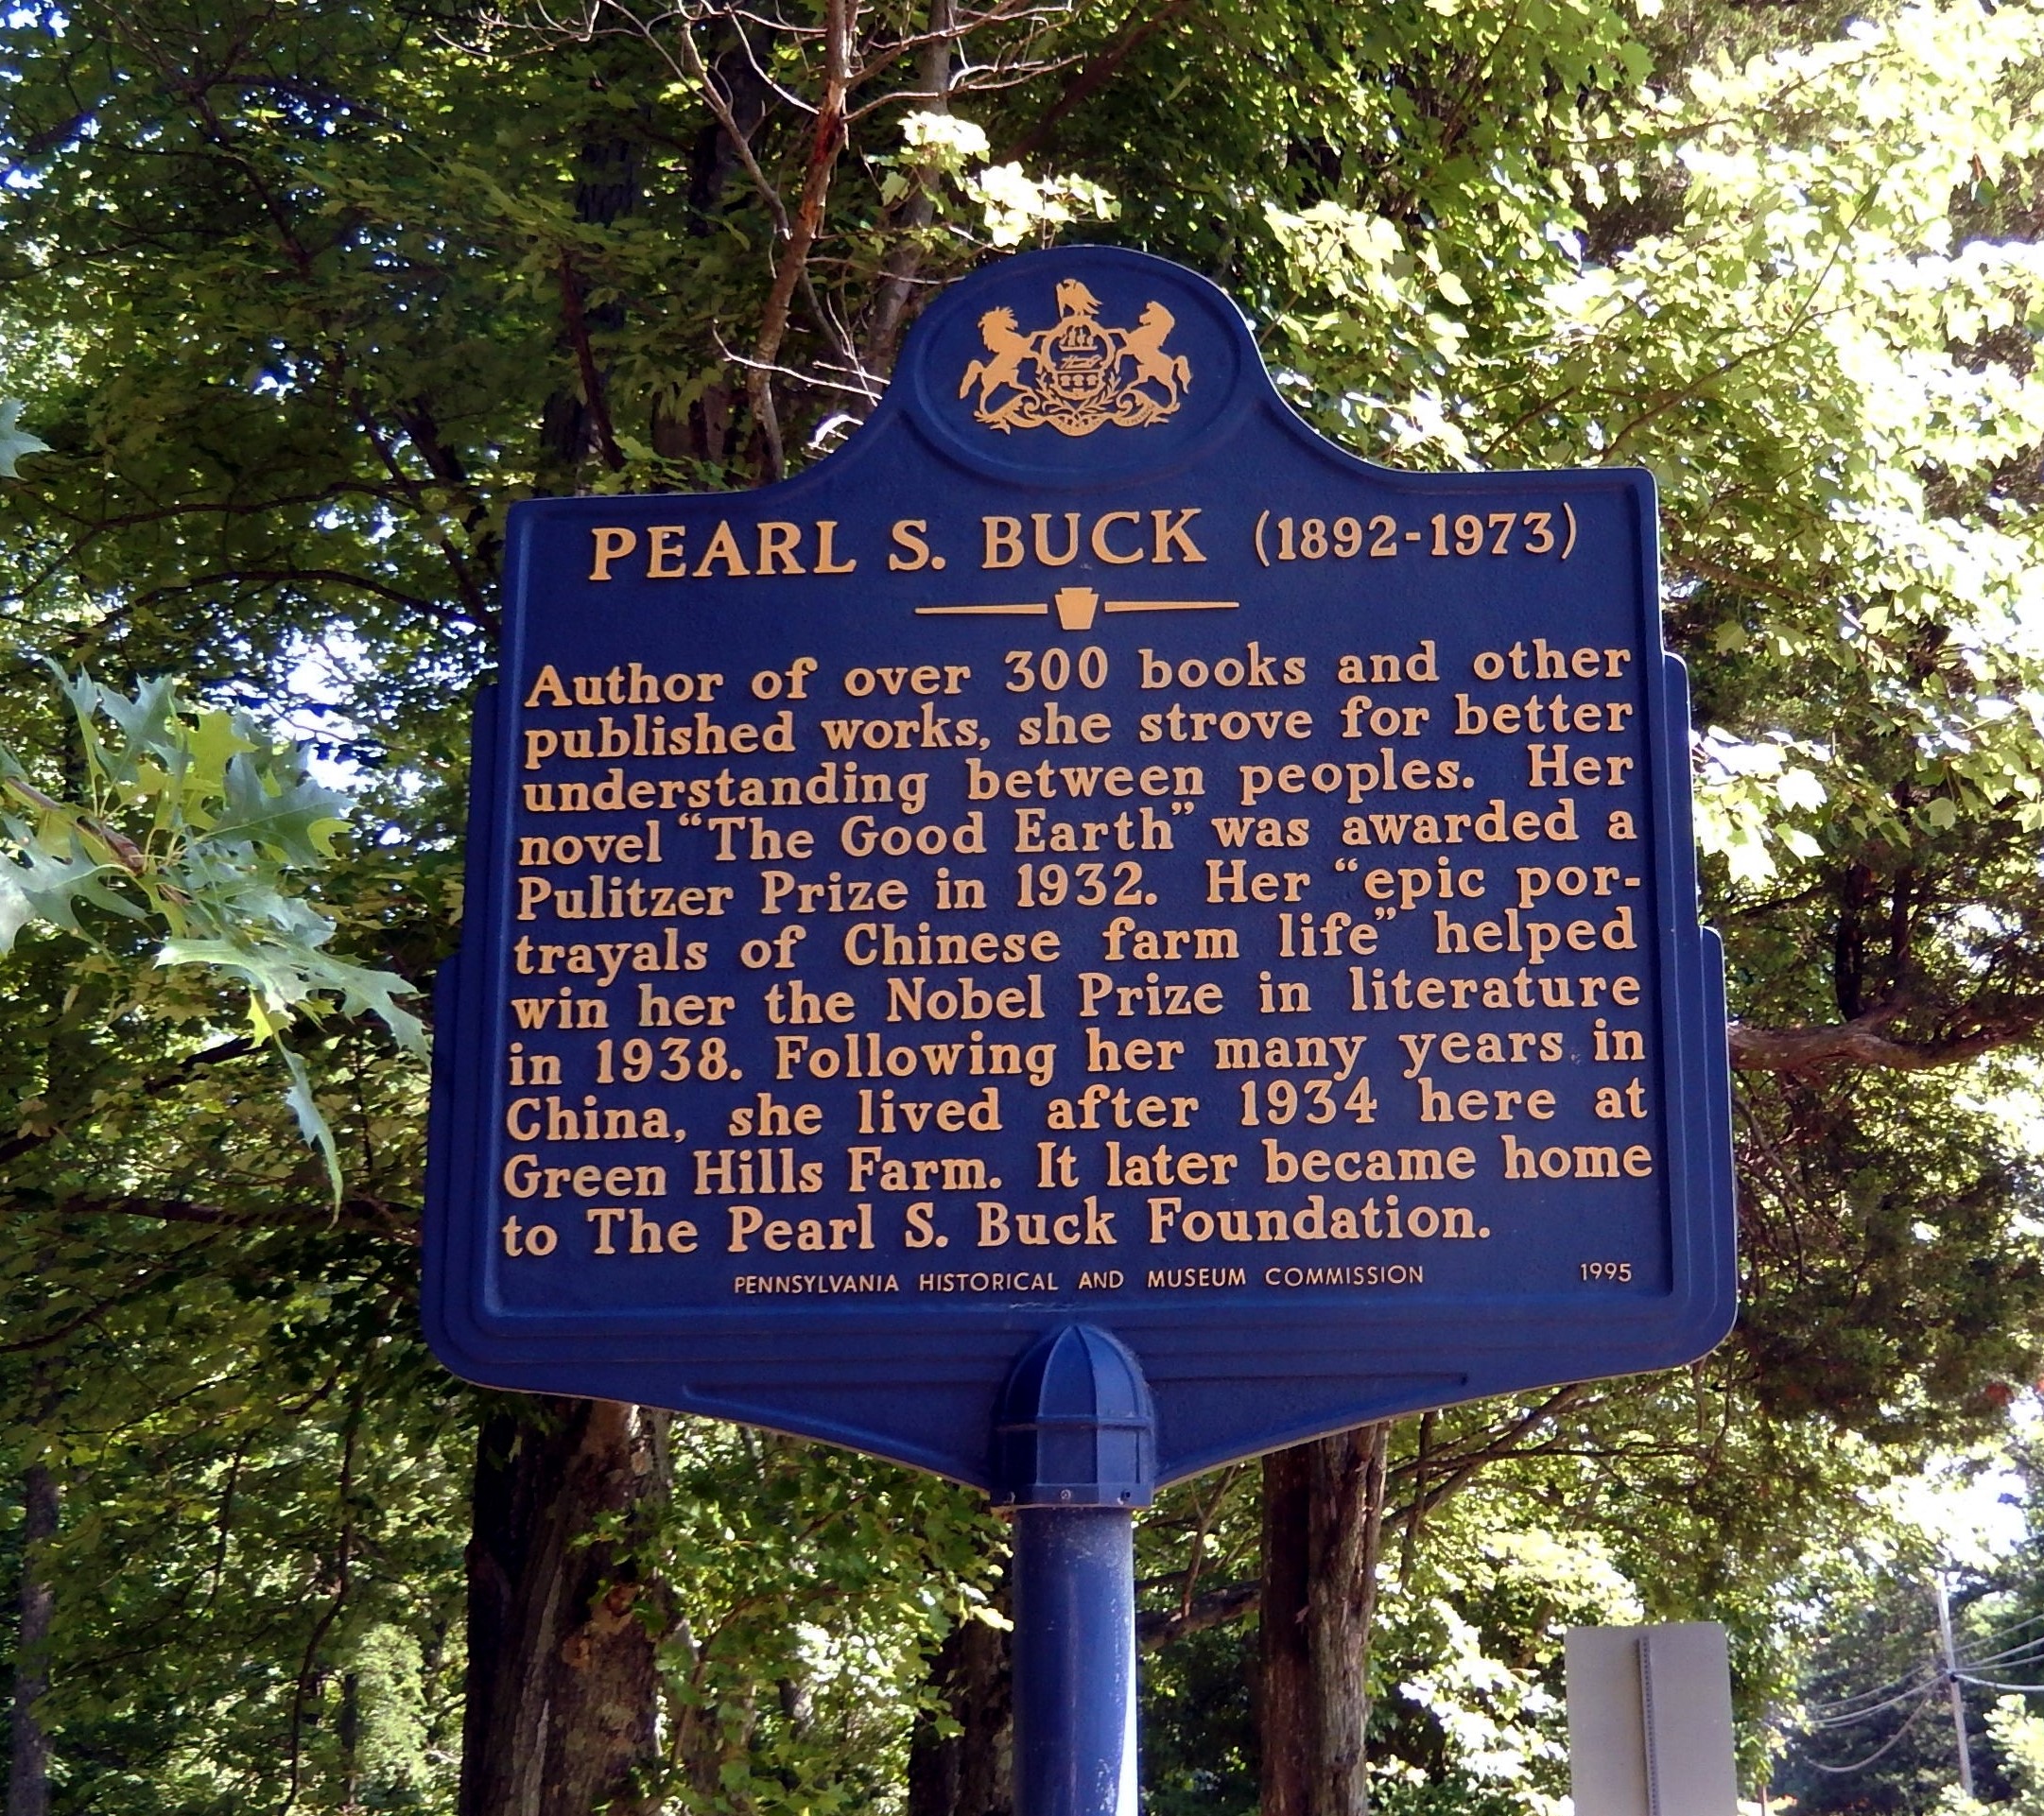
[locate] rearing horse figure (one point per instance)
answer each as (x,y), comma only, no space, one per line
(1144,344)
(1002,368)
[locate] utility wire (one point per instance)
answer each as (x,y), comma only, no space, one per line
(1847,1708)
(2028,1646)
(1920,1688)
(1851,1718)
(1886,1746)
(2014,1627)
(1852,1708)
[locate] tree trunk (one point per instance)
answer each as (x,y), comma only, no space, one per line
(28,1761)
(969,1772)
(933,77)
(561,1687)
(575,425)
(1323,1527)
(1285,1694)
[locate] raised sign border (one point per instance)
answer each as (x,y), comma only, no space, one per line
(917,1382)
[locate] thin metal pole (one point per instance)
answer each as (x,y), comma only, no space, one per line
(1075,1661)
(1951,1684)
(1074,1454)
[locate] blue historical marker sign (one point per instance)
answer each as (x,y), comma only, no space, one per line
(1091,851)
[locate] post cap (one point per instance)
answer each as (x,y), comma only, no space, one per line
(1076,1427)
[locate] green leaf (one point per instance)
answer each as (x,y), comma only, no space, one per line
(148,719)
(223,816)
(45,886)
(297,818)
(312,1122)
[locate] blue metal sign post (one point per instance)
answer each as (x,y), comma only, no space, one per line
(1089,935)
(1076,1446)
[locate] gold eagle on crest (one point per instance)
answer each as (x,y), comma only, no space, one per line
(1076,375)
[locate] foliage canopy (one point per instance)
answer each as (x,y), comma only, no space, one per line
(298,299)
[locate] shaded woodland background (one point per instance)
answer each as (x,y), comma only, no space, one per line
(296,299)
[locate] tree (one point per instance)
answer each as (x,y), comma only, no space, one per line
(1744,299)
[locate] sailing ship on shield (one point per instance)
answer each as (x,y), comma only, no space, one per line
(1078,374)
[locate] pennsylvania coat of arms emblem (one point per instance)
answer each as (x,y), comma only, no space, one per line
(1077,374)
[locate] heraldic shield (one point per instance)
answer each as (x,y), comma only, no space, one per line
(1078,374)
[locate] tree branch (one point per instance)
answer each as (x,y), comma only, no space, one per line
(472,599)
(1093,75)
(1459,1468)
(1215,1608)
(824,148)
(290,576)
(1862,1041)
(162,1082)
(361,1216)
(920,208)
(585,363)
